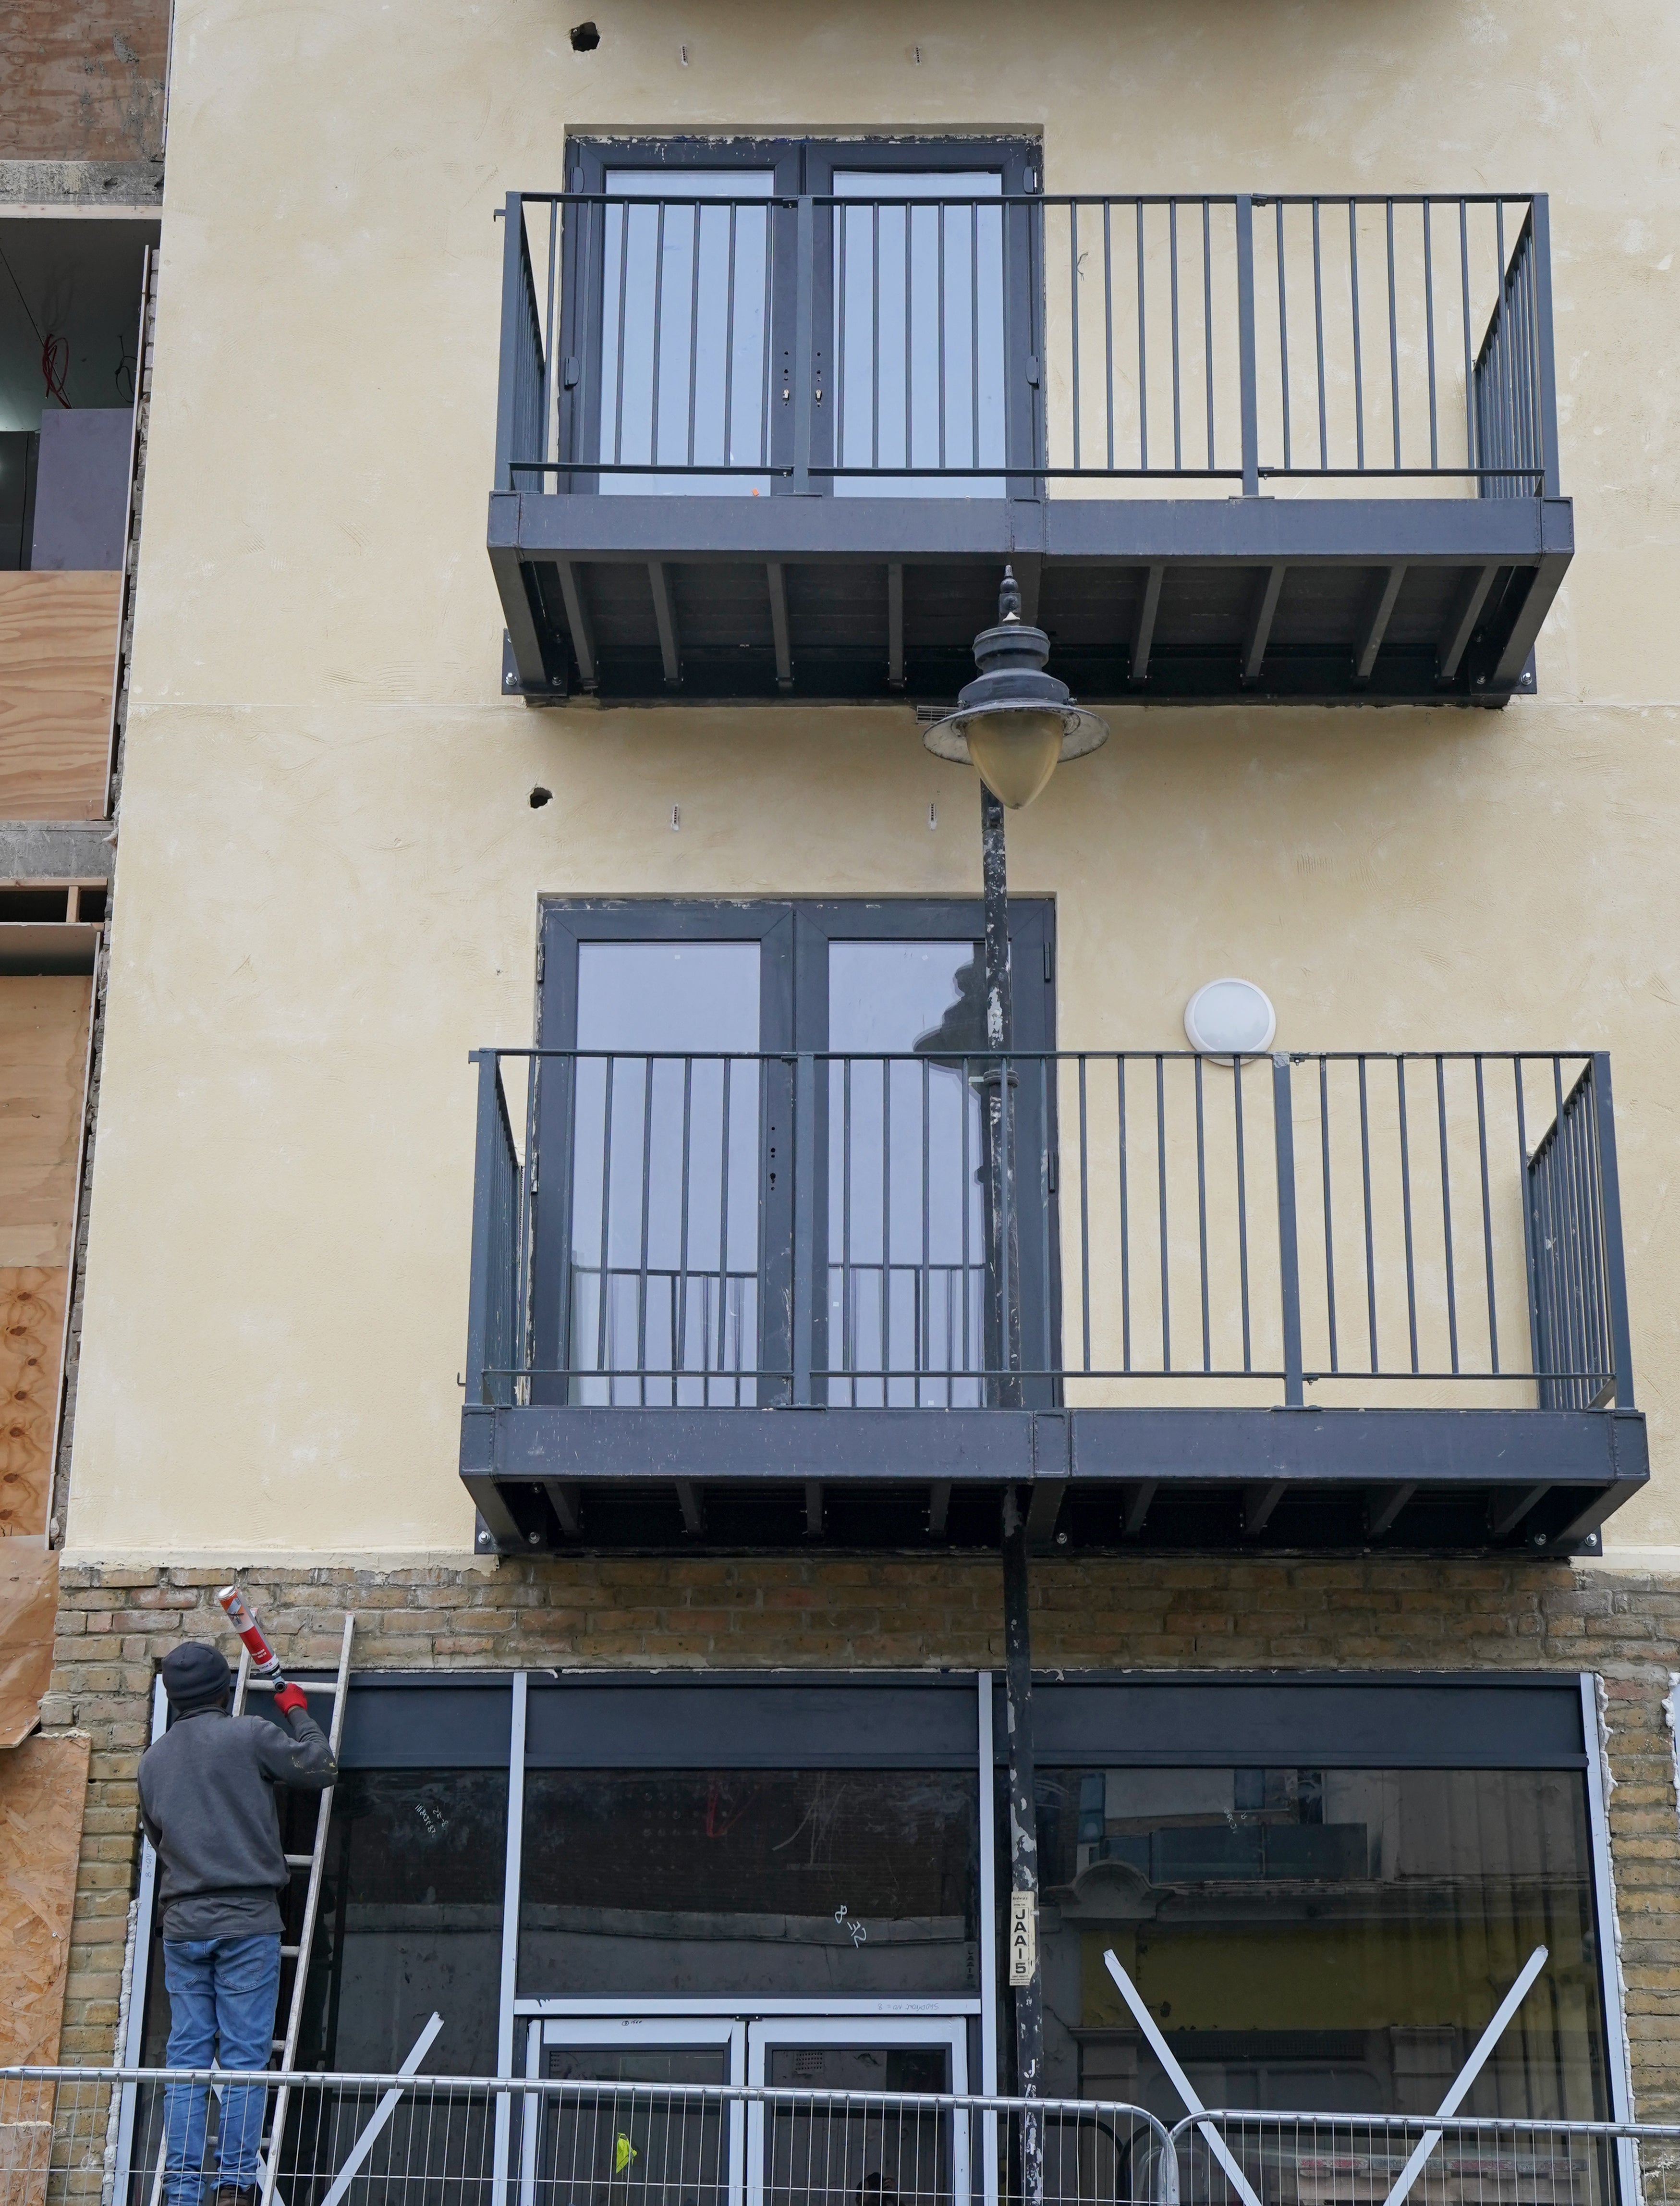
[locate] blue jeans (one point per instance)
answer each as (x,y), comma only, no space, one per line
(222,1999)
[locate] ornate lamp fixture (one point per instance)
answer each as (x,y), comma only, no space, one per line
(1014,724)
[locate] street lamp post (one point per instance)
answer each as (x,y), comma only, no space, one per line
(1014,724)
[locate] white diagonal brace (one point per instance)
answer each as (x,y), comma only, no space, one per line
(1468,2074)
(382,2113)
(1181,2083)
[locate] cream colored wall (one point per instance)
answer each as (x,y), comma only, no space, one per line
(329,870)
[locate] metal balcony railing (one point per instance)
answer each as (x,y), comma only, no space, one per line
(813,1229)
(984,344)
(104,2135)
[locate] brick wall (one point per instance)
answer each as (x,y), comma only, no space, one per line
(115,1626)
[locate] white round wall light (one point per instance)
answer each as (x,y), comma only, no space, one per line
(1229,1018)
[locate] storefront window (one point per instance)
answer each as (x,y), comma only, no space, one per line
(410,1920)
(1318,1938)
(792,1883)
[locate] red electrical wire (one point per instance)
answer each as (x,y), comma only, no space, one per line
(55,366)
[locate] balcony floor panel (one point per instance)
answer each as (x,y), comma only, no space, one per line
(1264,599)
(1226,1480)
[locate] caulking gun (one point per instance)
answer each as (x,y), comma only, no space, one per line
(265,1662)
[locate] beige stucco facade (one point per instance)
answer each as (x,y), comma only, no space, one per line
(329,869)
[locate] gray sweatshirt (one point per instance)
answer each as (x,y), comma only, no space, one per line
(207,1801)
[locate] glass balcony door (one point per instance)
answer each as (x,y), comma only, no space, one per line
(663,1255)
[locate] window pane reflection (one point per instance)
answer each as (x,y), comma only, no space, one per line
(677,1884)
(664,1194)
(1327,1940)
(906,1233)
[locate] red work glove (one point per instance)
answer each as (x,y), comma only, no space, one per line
(289,1697)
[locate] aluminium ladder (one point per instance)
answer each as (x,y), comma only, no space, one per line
(315,1862)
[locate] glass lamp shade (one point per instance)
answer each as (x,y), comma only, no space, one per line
(1015,752)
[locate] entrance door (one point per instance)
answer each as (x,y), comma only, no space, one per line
(617,2146)
(853,2152)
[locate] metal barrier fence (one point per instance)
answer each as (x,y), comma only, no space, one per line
(731,1231)
(697,341)
(142,2137)
(105,2136)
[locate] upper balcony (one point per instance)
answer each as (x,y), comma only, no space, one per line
(1329,1301)
(1235,447)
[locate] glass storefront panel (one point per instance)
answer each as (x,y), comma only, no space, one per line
(410,1918)
(804,1883)
(1334,1939)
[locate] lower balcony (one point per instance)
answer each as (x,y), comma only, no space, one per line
(1314,1301)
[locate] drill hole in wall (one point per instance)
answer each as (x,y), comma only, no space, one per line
(585,38)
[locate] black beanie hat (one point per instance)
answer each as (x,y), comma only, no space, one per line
(195,1676)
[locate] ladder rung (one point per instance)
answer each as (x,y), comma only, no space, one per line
(309,1685)
(300,1861)
(288,1953)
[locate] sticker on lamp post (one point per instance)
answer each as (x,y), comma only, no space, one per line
(1023,1937)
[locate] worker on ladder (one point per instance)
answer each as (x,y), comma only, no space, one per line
(207,1794)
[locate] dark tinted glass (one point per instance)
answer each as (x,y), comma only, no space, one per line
(410,1920)
(678,1883)
(1324,1940)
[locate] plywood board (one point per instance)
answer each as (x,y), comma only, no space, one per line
(43,1789)
(32,1332)
(42,1072)
(58,659)
(29,1607)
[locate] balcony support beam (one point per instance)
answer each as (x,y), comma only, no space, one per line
(778,588)
(1375,626)
(1260,622)
(1143,630)
(1462,622)
(664,615)
(1385,1508)
(577,619)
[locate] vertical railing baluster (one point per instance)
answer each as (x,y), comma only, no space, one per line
(1207,318)
(1241,1210)
(883,1328)
(841,217)
(804,363)
(659,328)
(1142,353)
(1161,1170)
(728,445)
(1125,1221)
(1288,1255)
(1359,369)
(1406,1205)
(645,1228)
(1248,396)
(924,1329)
(1201,1217)
(1108,321)
(1393,343)
(1472,438)
(624,213)
(805,1224)
(680,1328)
(1047,1184)
(1177,390)
(847,1322)
(694,330)
(1370,1246)
(606,1226)
(1446,1213)
(1429,333)
(1329,1229)
(709,1363)
(1487,1219)
(1084,1217)
(1528,1182)
(1073,287)
(1318,332)
(1546,368)
(1282,333)
(940,217)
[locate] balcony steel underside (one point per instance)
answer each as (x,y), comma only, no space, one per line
(547,1479)
(833,600)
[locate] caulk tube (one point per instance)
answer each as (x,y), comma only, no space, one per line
(263,1661)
